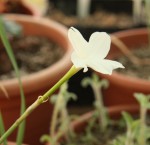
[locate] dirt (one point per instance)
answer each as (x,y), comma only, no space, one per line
(138,71)
(33,53)
(99,18)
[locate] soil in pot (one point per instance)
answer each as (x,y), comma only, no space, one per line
(133,70)
(33,53)
(99,18)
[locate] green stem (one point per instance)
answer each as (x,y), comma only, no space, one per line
(55,115)
(65,116)
(129,139)
(39,101)
(142,139)
(100,106)
(10,53)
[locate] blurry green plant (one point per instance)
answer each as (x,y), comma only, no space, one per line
(137,129)
(147,8)
(61,119)
(11,29)
(97,86)
(82,59)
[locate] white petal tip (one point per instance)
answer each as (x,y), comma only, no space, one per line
(121,66)
(72,29)
(85,69)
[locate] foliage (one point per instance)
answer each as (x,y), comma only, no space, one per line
(82,59)
(60,118)
(13,29)
(97,86)
(137,129)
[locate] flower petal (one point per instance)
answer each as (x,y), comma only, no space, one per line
(99,44)
(78,63)
(104,66)
(78,42)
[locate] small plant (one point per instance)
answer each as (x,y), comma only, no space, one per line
(12,28)
(137,129)
(60,118)
(7,29)
(97,86)
(86,54)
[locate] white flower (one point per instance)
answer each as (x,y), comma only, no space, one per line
(91,54)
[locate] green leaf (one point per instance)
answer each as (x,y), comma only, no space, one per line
(85,82)
(128,119)
(141,99)
(147,7)
(45,138)
(136,127)
(53,98)
(14,63)
(2,128)
(104,83)
(12,28)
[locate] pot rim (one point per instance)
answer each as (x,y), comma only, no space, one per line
(33,10)
(129,82)
(113,110)
(49,72)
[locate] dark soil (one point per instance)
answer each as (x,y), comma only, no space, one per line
(33,53)
(98,18)
(139,71)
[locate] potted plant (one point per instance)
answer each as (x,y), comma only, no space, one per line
(126,43)
(10,106)
(90,16)
(79,59)
(96,127)
(79,125)
(122,86)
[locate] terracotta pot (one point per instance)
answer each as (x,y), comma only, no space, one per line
(122,87)
(37,83)
(35,8)
(114,112)
(23,8)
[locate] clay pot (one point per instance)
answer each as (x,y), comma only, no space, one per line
(20,7)
(122,87)
(115,112)
(37,83)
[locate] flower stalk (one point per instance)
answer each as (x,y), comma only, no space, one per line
(86,54)
(39,101)
(142,139)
